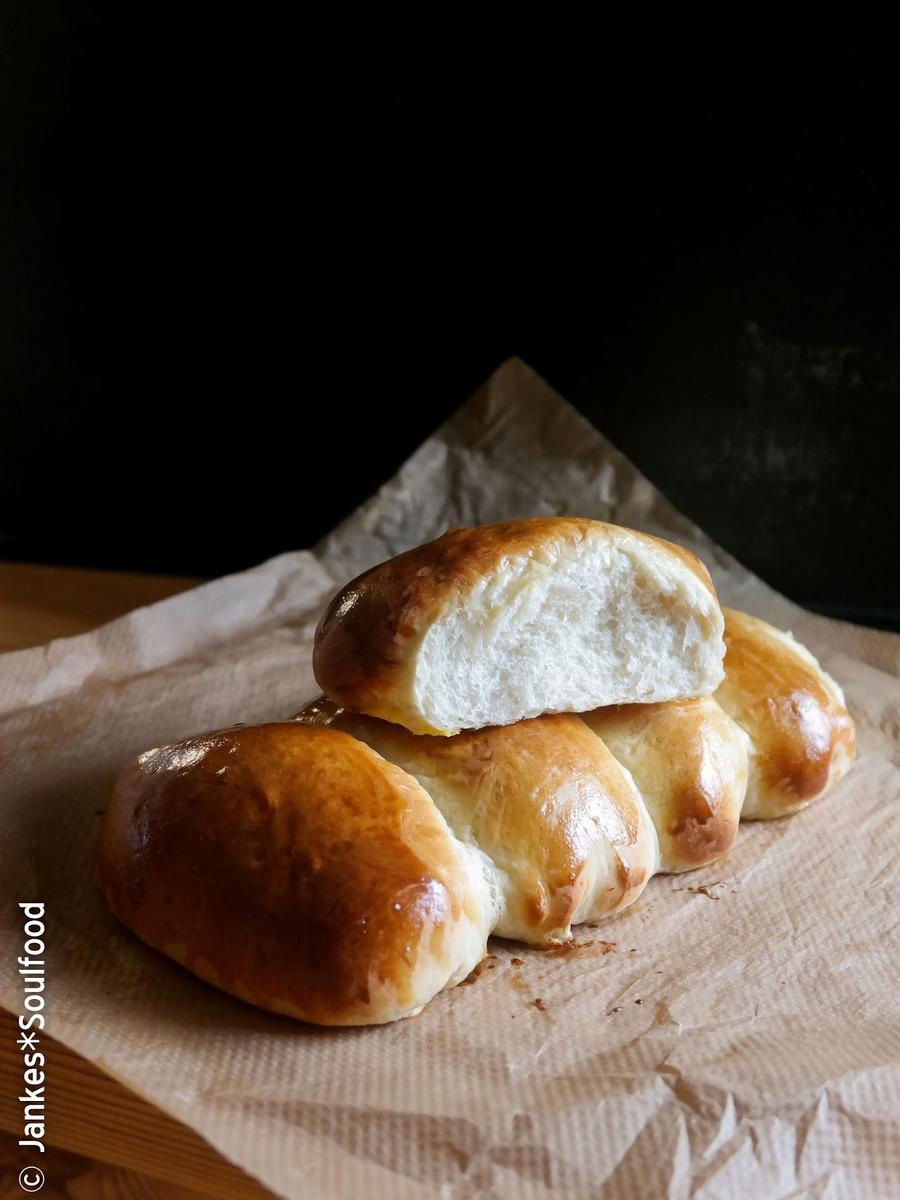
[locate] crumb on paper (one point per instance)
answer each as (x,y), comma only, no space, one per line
(702,889)
(474,975)
(573,948)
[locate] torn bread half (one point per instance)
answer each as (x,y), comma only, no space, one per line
(486,626)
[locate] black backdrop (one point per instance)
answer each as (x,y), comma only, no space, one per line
(232,249)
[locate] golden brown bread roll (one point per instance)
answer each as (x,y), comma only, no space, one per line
(689,761)
(294,868)
(564,830)
(803,739)
(554,614)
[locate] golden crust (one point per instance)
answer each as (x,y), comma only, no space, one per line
(363,642)
(537,798)
(290,866)
(689,761)
(803,737)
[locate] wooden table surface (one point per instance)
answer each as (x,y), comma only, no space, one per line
(103,1140)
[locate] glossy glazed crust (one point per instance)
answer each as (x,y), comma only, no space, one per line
(291,867)
(690,763)
(367,638)
(803,738)
(540,798)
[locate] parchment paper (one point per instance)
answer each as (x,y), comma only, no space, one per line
(744,1046)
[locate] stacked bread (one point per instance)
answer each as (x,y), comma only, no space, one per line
(521,724)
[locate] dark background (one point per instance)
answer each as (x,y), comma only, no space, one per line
(232,246)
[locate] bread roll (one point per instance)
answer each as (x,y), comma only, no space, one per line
(554,614)
(802,737)
(561,825)
(294,868)
(689,761)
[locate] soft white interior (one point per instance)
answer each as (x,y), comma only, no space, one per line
(613,624)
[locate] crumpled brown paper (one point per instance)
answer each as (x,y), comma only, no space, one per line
(742,1041)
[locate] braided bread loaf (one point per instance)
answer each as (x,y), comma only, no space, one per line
(342,869)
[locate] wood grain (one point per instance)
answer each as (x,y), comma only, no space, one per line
(39,603)
(104,1141)
(94,1115)
(74,1177)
